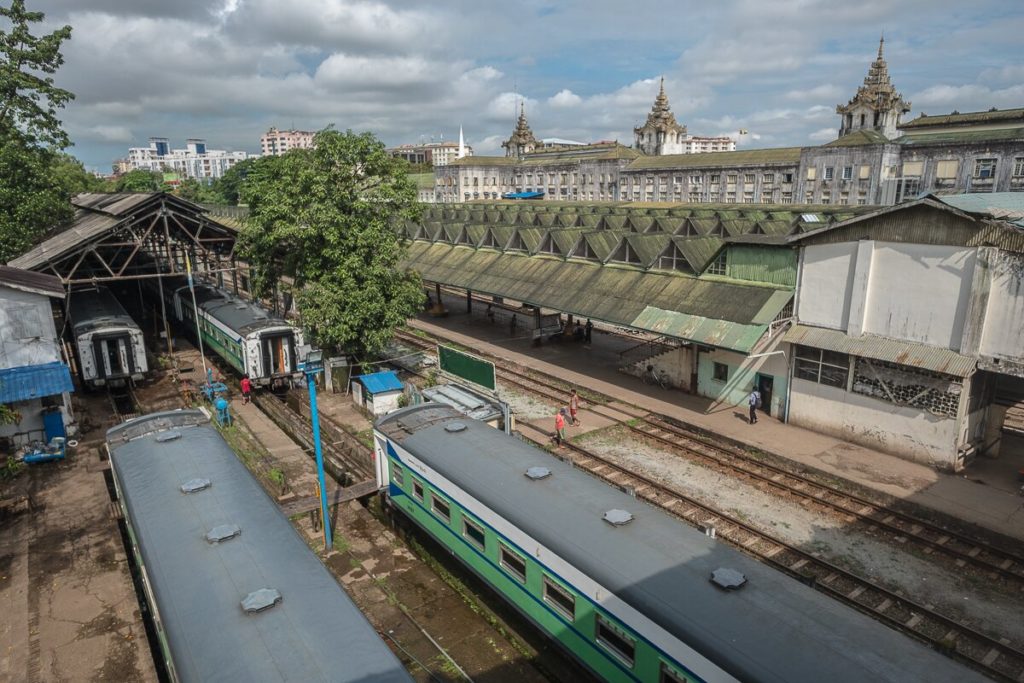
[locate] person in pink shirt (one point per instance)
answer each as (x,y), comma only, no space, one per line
(559,427)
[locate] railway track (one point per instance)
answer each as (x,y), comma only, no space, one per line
(123,403)
(995,657)
(345,458)
(962,550)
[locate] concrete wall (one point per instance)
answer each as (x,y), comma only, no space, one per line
(27,333)
(1004,316)
(826,282)
(919,293)
(742,373)
(677,364)
(908,432)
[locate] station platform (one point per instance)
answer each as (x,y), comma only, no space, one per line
(985,494)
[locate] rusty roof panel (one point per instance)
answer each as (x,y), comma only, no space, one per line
(885,349)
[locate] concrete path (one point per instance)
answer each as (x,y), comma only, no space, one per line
(985,494)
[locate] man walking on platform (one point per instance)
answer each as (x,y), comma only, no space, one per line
(574,407)
(755,402)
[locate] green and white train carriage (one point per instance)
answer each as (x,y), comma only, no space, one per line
(622,586)
(247,336)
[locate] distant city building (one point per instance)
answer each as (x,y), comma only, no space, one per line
(276,142)
(431,153)
(877,159)
(697,144)
(195,161)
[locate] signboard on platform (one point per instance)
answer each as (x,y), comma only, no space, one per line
(466,366)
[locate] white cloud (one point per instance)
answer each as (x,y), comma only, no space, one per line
(564,99)
(825,91)
(824,135)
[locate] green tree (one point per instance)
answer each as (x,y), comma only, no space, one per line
(70,174)
(28,98)
(33,196)
(228,187)
(140,180)
(32,199)
(324,217)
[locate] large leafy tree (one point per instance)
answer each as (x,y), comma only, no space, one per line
(324,217)
(140,180)
(33,197)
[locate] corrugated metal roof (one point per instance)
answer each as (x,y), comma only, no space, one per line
(379,382)
(613,294)
(708,331)
(29,281)
(924,121)
(884,349)
(34,381)
(1008,205)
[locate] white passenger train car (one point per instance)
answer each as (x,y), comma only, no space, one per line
(110,348)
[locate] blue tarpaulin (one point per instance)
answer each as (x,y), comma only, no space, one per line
(34,381)
(379,382)
(522,195)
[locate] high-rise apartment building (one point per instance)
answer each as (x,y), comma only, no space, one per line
(276,142)
(195,161)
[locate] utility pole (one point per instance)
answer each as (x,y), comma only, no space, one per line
(313,366)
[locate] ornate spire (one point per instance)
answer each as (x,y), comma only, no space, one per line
(522,140)
(876,95)
(661,116)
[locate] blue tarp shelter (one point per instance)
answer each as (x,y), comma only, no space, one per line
(380,382)
(522,195)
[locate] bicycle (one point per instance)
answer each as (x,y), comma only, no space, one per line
(651,377)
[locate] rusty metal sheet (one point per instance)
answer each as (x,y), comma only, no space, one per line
(885,349)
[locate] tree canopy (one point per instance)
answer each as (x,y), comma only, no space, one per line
(36,181)
(324,217)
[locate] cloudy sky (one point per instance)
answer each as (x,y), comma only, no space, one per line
(226,70)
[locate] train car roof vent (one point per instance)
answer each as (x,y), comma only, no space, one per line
(618,517)
(168,436)
(455,427)
(223,532)
(264,598)
(726,578)
(194,485)
(537,473)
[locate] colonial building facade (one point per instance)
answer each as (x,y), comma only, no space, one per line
(877,159)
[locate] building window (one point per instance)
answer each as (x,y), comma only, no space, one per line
(847,172)
(812,173)
(720,372)
(618,643)
(787,198)
(1018,167)
(985,168)
(715,178)
(718,266)
(748,178)
(562,600)
(768,178)
(824,367)
(731,179)
(829,172)
(946,169)
(440,508)
(787,177)
(473,533)
(513,563)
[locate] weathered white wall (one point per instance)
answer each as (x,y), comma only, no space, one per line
(677,364)
(742,373)
(825,284)
(909,432)
(27,333)
(1003,335)
(919,292)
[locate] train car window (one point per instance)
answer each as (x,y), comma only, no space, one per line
(670,675)
(562,600)
(474,533)
(513,563)
(417,490)
(397,475)
(619,644)
(440,507)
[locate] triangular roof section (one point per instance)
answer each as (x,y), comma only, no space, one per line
(672,258)
(502,235)
(648,246)
(591,220)
(546,219)
(475,234)
(452,232)
(669,224)
(641,223)
(566,239)
(583,250)
(602,243)
(708,226)
(699,251)
(476,215)
(568,220)
(529,238)
(771,227)
(549,245)
(616,221)
(737,226)
(930,201)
